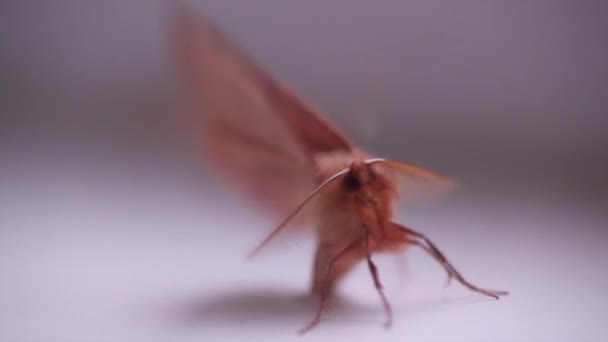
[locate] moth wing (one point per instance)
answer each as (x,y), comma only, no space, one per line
(258,134)
(417,184)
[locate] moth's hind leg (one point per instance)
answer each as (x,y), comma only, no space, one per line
(323,257)
(331,263)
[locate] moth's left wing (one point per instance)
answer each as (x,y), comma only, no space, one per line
(259,135)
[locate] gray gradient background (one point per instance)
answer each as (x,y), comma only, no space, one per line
(110,230)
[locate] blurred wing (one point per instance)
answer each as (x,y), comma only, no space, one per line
(415,183)
(258,134)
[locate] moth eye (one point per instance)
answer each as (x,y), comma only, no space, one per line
(352,183)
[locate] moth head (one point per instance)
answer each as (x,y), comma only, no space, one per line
(358,175)
(363,173)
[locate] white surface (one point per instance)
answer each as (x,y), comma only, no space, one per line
(89,258)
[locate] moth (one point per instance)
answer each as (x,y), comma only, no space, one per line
(286,156)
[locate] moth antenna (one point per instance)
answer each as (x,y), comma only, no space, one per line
(374,160)
(297,210)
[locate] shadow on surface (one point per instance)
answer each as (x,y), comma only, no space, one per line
(262,307)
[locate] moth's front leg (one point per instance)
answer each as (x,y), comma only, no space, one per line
(373,269)
(403,235)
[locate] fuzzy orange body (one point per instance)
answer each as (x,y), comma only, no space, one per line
(363,208)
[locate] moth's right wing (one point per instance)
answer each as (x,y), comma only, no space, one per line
(415,183)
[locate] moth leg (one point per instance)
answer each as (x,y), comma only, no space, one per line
(374,271)
(348,252)
(324,255)
(410,236)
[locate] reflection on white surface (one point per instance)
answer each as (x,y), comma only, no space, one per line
(90,256)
